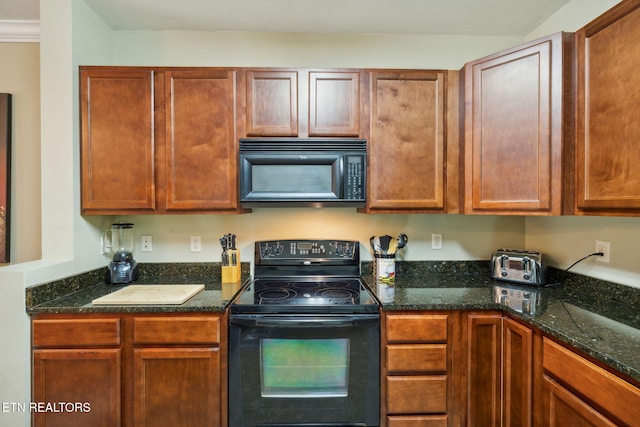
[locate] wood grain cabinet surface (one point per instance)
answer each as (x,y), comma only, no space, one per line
(132,370)
(304,103)
(418,386)
(576,389)
(158,140)
(518,129)
(117,140)
(500,371)
(607,129)
(198,163)
(413,141)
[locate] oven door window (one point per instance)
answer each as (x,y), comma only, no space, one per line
(304,367)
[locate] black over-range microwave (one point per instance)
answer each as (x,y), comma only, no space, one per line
(303,172)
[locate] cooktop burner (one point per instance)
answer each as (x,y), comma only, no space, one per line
(307,292)
(348,295)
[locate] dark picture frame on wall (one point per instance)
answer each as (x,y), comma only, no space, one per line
(5,176)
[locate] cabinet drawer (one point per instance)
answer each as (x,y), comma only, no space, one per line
(417,421)
(75,332)
(595,384)
(416,328)
(172,330)
(417,394)
(417,358)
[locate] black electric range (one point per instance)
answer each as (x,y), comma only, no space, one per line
(306,276)
(304,339)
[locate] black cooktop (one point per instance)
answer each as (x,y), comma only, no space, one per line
(306,295)
(306,276)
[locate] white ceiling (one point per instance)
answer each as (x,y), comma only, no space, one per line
(463,17)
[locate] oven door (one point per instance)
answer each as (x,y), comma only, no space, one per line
(304,370)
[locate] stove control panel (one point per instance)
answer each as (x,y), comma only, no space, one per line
(303,249)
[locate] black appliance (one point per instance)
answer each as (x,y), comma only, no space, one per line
(304,339)
(303,172)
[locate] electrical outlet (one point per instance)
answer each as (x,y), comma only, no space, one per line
(196,244)
(436,241)
(605,248)
(147,244)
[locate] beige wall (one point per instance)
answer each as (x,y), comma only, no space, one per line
(20,76)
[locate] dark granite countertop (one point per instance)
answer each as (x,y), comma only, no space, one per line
(599,318)
(74,294)
(596,317)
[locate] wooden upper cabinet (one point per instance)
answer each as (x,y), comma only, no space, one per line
(334,103)
(117,140)
(607,129)
(303,103)
(200,140)
(412,157)
(515,118)
(272,103)
(158,140)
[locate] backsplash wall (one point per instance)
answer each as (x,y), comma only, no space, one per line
(567,239)
(464,237)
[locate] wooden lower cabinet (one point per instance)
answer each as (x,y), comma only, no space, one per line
(176,387)
(563,408)
(500,371)
(578,390)
(82,385)
(417,368)
(484,346)
(130,370)
(517,374)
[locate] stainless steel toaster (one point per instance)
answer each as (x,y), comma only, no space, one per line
(519,266)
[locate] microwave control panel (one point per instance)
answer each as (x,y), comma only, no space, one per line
(354,178)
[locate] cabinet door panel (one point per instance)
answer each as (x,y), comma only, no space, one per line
(484,369)
(334,103)
(594,384)
(406,160)
(177,387)
(562,408)
(200,140)
(607,131)
(87,377)
(272,103)
(517,375)
(117,140)
(515,115)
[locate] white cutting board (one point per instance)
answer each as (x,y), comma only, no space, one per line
(150,294)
